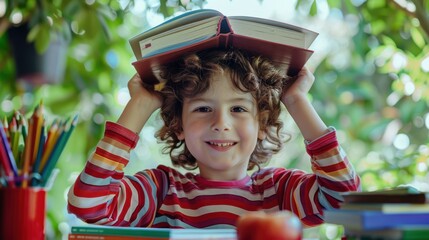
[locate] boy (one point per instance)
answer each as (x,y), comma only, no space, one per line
(221,115)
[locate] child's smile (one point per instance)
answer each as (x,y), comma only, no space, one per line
(220,145)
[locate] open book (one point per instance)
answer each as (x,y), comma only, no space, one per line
(138,233)
(284,44)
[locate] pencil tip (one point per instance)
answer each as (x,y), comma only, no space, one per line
(75,118)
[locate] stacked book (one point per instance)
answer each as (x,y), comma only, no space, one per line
(398,213)
(134,233)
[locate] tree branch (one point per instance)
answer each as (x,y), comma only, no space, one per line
(402,8)
(4,25)
(422,16)
(420,13)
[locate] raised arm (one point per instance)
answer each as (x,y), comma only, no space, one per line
(102,194)
(295,98)
(332,172)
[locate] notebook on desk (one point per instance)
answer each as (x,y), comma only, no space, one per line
(137,233)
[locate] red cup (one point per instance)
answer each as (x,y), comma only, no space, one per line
(22,213)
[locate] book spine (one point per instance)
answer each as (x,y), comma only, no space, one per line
(391,220)
(75,236)
(387,198)
(224,26)
(373,220)
(114,232)
(225,41)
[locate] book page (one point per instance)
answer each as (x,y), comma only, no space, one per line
(200,30)
(271,30)
(175,22)
(268,33)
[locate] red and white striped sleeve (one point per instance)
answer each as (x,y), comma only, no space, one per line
(308,194)
(103,195)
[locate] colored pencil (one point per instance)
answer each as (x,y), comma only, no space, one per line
(7,160)
(35,178)
(53,134)
(24,126)
(14,137)
(27,154)
(5,127)
(38,121)
(58,149)
(29,150)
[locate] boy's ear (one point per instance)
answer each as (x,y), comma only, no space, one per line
(180,135)
(262,134)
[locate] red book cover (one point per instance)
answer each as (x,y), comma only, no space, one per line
(284,44)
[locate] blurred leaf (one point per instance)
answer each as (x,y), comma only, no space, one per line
(37,17)
(418,37)
(65,31)
(409,110)
(43,38)
(105,28)
(88,22)
(34,31)
(373,131)
(313,8)
(105,11)
(378,26)
(71,8)
(298,3)
(388,41)
(375,4)
(334,3)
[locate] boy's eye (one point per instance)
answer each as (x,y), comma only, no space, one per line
(202,109)
(238,109)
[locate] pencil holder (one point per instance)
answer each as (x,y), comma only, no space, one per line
(22,214)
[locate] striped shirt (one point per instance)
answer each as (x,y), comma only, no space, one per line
(164,197)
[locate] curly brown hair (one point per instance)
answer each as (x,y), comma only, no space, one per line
(192,75)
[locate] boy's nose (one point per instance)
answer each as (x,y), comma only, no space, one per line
(220,121)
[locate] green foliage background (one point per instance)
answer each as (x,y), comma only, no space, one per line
(376,96)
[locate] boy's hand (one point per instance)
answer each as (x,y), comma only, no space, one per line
(294,97)
(140,107)
(298,87)
(150,98)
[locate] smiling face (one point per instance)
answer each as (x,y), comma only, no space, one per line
(221,129)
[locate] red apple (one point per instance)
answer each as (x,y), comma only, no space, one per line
(269,226)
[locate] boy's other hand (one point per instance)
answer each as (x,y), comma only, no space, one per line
(298,87)
(150,98)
